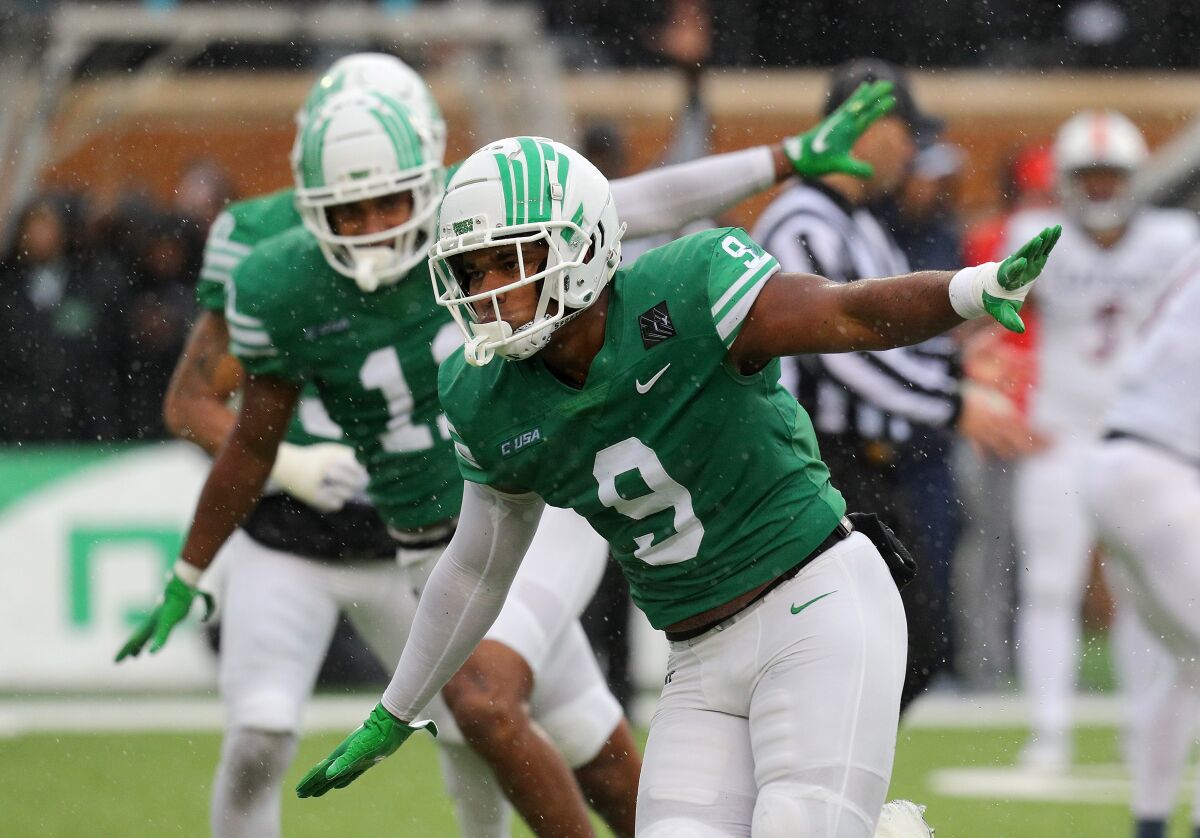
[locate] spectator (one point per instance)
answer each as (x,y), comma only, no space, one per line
(158,311)
(58,335)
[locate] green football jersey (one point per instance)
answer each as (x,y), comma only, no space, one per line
(373,358)
(705,482)
(234,234)
(231,237)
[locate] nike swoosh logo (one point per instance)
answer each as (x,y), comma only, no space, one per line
(821,142)
(796,609)
(645,388)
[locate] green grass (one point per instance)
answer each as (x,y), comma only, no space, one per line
(157,785)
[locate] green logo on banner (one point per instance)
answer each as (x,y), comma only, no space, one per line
(461,228)
(87,545)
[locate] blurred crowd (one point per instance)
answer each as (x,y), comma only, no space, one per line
(96,297)
(756,33)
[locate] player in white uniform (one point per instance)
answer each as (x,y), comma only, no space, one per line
(1108,271)
(272,652)
(1144,494)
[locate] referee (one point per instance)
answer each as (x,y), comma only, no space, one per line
(883,418)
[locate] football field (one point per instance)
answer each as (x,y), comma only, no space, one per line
(98,773)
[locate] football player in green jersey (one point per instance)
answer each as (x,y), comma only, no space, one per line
(648,400)
(313,545)
(404,422)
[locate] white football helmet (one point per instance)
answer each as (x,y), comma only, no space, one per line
(359,146)
(515,191)
(1097,140)
(379,72)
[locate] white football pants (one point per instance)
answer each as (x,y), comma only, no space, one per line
(1055,534)
(280,612)
(782,720)
(1147,505)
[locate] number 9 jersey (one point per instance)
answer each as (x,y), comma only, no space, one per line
(705,482)
(373,358)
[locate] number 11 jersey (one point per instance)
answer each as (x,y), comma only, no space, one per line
(373,358)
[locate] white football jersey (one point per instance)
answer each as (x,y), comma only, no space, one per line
(1159,394)
(1091,302)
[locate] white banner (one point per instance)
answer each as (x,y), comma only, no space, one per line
(86,537)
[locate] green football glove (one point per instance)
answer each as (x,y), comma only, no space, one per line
(375,739)
(826,148)
(999,290)
(172,608)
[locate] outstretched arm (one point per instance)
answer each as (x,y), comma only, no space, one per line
(462,599)
(464,594)
(664,200)
(798,314)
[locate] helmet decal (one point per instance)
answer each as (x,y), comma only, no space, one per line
(405,141)
(555,209)
(528,189)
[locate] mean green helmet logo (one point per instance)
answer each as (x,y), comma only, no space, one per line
(463,227)
(391,119)
(525,179)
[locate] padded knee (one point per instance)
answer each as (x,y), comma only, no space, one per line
(580,728)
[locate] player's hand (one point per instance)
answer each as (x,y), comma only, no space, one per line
(172,608)
(994,427)
(324,476)
(1015,276)
(375,739)
(826,148)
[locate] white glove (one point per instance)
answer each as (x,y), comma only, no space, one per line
(903,819)
(324,476)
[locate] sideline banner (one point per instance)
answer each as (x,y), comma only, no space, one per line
(86,535)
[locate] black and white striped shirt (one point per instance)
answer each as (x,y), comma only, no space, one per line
(876,395)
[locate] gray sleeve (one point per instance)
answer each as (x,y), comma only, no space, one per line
(464,594)
(668,198)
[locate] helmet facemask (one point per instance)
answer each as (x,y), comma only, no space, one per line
(517,193)
(563,248)
(362,147)
(1098,141)
(1097,214)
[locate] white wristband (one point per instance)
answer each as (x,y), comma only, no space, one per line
(187,572)
(966,289)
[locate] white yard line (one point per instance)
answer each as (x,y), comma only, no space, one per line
(99,713)
(105,714)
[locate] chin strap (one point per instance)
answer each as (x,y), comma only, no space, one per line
(476,353)
(369,264)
